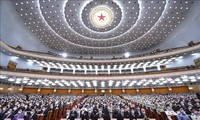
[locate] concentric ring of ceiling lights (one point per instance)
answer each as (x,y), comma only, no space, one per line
(66,26)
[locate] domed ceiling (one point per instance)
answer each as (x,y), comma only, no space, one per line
(102,27)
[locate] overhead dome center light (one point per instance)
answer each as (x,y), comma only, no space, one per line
(101,16)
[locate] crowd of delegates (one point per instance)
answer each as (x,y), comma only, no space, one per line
(186,106)
(27,107)
(105,107)
(94,107)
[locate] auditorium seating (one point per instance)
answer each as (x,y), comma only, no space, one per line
(96,107)
(168,106)
(35,106)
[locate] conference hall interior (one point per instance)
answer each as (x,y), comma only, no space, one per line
(100,60)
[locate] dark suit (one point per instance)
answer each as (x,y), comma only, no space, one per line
(115,113)
(94,116)
(188,112)
(85,116)
(132,117)
(126,114)
(138,114)
(10,115)
(72,115)
(33,117)
(120,116)
(1,116)
(45,113)
(106,115)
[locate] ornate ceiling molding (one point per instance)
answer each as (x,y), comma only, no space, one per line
(136,25)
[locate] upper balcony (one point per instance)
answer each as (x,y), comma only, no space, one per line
(155,55)
(167,78)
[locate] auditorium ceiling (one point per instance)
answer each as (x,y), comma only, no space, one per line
(102,27)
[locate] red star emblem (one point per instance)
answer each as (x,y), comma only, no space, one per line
(101,17)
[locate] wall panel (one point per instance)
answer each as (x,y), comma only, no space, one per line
(10,89)
(161,90)
(76,91)
(117,91)
(46,91)
(89,91)
(30,90)
(145,91)
(196,88)
(16,89)
(130,91)
(180,89)
(107,91)
(62,91)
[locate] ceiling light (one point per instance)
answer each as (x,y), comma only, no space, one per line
(80,83)
(172,82)
(180,82)
(17,82)
(74,83)
(125,83)
(88,84)
(64,55)
(192,77)
(94,83)
(24,81)
(3,76)
(193,80)
(60,84)
(132,83)
(38,80)
(184,77)
(177,79)
(194,54)
(117,83)
(103,84)
(29,83)
(25,78)
(161,83)
(11,79)
(180,57)
(185,80)
(127,54)
(110,83)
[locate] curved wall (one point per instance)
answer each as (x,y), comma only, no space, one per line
(158,90)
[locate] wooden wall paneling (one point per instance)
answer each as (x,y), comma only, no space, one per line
(117,91)
(89,91)
(16,89)
(99,92)
(130,91)
(145,91)
(62,91)
(76,91)
(161,90)
(107,91)
(180,89)
(30,90)
(46,91)
(10,89)
(196,88)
